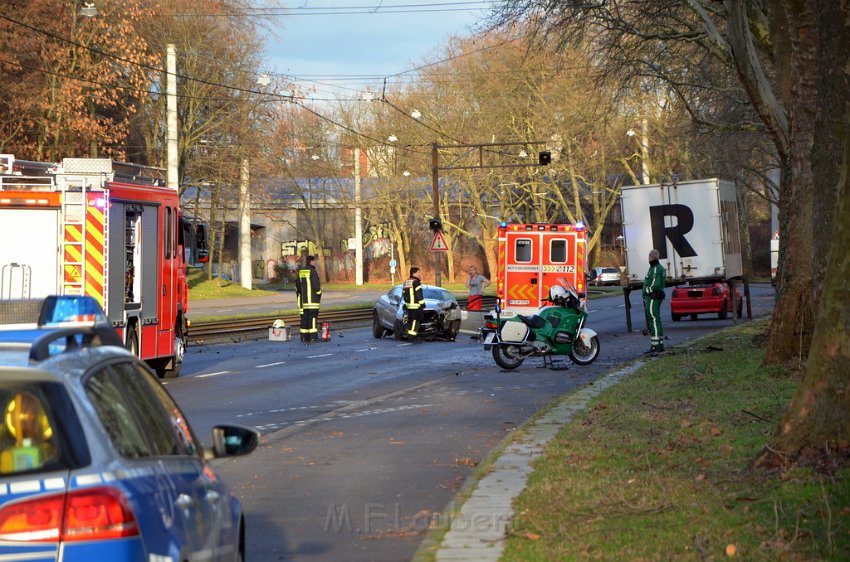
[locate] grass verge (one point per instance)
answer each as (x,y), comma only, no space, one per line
(656,469)
(201,288)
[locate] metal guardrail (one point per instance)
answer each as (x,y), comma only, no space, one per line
(247,326)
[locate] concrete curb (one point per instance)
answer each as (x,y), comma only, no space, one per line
(477,530)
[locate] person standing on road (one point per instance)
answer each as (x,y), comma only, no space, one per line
(414,304)
(653,294)
(308,290)
(476,284)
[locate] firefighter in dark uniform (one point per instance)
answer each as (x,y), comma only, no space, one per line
(653,294)
(308,290)
(414,304)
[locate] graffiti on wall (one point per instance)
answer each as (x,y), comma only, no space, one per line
(295,248)
(377,241)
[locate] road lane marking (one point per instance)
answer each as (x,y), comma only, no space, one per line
(333,417)
(213,374)
(317,356)
(271,364)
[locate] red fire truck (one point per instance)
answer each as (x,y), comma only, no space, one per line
(535,257)
(106,229)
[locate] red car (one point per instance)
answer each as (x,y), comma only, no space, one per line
(707,298)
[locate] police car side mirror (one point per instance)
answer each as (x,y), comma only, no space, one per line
(233,440)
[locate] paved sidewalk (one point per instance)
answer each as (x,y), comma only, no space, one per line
(478,528)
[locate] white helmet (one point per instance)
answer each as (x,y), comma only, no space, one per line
(557,293)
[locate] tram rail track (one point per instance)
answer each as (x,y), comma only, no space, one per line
(254,327)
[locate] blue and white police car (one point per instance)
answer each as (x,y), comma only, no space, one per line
(97,462)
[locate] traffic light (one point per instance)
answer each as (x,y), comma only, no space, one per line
(544,157)
(435,224)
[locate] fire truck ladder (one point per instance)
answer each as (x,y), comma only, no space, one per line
(73,223)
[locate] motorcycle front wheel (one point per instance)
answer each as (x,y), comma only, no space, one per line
(582,354)
(507,356)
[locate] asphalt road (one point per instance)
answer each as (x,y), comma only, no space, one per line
(365,441)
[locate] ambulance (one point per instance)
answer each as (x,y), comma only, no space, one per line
(535,257)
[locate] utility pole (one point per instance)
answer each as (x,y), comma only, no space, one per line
(171,179)
(244,227)
(358,221)
(644,149)
(435,191)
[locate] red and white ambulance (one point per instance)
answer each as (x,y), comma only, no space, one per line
(535,257)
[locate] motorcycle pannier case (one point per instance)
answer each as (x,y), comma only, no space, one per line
(514,332)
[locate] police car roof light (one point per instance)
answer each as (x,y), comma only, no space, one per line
(76,337)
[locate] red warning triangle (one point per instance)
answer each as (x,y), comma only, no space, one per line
(438,244)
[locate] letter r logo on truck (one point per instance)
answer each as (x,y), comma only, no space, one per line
(676,234)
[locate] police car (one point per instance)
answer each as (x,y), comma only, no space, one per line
(97,462)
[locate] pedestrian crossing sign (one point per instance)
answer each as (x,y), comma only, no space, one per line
(438,244)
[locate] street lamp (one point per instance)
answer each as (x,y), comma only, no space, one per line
(88,10)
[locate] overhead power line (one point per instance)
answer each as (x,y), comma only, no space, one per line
(373,9)
(275,95)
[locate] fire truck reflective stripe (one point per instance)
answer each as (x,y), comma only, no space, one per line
(94,253)
(73,233)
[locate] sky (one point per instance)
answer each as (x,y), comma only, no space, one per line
(326,44)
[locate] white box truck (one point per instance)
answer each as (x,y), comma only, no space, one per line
(693,224)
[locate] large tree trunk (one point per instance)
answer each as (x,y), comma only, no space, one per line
(795,33)
(818,418)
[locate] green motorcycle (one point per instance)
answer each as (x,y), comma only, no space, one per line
(558,329)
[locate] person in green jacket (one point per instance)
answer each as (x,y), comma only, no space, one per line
(653,294)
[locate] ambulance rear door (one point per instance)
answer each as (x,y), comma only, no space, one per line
(523,264)
(560,261)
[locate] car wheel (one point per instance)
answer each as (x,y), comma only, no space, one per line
(132,342)
(675,317)
(398,330)
(452,330)
(724,311)
(694,316)
(377,330)
(176,362)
